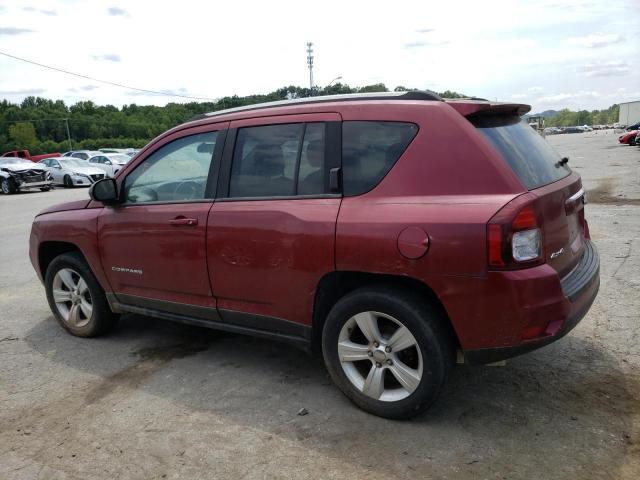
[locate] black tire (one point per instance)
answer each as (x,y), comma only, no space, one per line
(68,183)
(428,327)
(632,141)
(8,186)
(102,318)
(45,189)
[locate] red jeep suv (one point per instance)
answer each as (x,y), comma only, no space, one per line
(389,232)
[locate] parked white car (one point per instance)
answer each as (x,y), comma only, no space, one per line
(18,174)
(71,172)
(110,163)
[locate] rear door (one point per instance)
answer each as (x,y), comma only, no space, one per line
(544,173)
(271,231)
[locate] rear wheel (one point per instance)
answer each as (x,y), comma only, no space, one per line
(68,183)
(388,351)
(76,298)
(8,186)
(632,141)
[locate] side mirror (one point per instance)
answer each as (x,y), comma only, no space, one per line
(105,191)
(108,162)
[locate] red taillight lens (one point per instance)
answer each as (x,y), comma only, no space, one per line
(525,219)
(495,246)
(514,236)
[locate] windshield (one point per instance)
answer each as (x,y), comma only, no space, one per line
(532,159)
(73,162)
(119,158)
(8,161)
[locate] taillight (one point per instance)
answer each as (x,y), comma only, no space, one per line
(514,235)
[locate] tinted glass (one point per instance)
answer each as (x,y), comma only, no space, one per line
(176,172)
(532,159)
(311,177)
(264,161)
(369,150)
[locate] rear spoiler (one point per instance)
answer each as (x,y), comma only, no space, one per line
(468,108)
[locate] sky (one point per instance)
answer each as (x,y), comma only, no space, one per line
(577,54)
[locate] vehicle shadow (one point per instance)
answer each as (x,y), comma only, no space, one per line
(564,411)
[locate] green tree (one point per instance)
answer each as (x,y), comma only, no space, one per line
(23,135)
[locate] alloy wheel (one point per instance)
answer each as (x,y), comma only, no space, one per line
(380,356)
(72,297)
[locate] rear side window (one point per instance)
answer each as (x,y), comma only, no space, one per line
(532,159)
(278,161)
(369,150)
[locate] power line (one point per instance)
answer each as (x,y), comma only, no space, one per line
(106,81)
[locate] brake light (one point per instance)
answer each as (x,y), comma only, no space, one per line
(514,236)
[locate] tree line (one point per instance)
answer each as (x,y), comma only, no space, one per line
(39,124)
(568,118)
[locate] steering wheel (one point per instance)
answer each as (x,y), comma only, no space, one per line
(189,189)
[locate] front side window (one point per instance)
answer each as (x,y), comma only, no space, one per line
(278,161)
(176,172)
(369,150)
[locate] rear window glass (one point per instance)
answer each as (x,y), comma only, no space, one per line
(369,150)
(532,159)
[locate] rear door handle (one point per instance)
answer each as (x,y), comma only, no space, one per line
(182,221)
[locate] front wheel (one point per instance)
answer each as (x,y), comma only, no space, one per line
(8,186)
(632,141)
(68,183)
(76,298)
(388,351)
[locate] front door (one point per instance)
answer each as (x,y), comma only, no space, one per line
(153,243)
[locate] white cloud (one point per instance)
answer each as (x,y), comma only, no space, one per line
(596,40)
(605,69)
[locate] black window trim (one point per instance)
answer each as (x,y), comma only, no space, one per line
(332,158)
(212,176)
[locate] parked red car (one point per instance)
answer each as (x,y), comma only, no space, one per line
(27,155)
(386,231)
(628,138)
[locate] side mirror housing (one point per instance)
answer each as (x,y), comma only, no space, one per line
(105,191)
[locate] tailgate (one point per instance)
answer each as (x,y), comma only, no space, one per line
(560,198)
(562,207)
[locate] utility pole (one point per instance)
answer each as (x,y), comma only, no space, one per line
(66,121)
(310,63)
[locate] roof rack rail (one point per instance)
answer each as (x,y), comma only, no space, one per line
(349,97)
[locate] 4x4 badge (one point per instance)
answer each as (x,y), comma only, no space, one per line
(558,253)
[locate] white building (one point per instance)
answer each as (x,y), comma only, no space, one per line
(629,113)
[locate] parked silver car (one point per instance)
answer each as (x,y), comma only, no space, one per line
(72,171)
(110,163)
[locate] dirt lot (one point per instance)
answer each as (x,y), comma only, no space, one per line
(161,400)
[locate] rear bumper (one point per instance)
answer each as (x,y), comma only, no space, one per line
(579,290)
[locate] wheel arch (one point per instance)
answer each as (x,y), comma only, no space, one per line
(49,250)
(335,285)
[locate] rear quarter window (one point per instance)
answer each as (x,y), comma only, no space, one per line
(532,159)
(369,150)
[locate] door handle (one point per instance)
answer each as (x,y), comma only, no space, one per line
(182,221)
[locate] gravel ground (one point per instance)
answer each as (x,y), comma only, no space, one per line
(162,400)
